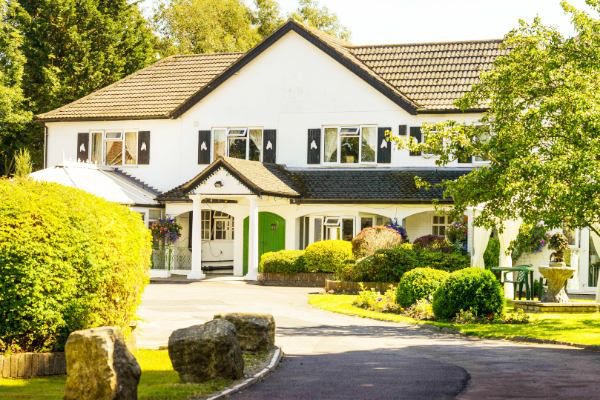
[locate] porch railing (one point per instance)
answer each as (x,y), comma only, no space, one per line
(172,258)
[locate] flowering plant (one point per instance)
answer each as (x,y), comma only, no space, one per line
(399,228)
(165,231)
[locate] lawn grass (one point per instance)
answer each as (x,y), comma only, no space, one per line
(577,329)
(158,382)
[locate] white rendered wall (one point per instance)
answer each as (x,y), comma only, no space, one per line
(292,87)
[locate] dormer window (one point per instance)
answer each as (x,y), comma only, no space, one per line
(349,144)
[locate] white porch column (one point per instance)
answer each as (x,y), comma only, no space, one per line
(196,272)
(238,244)
(508,234)
(252,274)
(480,236)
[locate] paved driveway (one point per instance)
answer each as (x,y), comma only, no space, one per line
(331,356)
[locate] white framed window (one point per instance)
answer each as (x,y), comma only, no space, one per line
(114,147)
(336,228)
(216,225)
(439,225)
(350,144)
(245,143)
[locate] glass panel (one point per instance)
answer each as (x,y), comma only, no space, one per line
(347,229)
(220,138)
(154,215)
(594,265)
(237,147)
(331,143)
(130,147)
(349,146)
(366,222)
(113,135)
(318,229)
(237,132)
(255,145)
(349,131)
(219,230)
(205,225)
(332,221)
(97,147)
(113,152)
(369,144)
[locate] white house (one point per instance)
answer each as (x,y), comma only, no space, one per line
(283,145)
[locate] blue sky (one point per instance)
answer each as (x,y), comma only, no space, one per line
(406,21)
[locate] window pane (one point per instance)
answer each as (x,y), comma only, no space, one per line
(237,147)
(154,215)
(347,229)
(113,135)
(113,152)
(369,144)
(130,147)
(349,149)
(205,225)
(256,142)
(220,138)
(366,222)
(318,229)
(97,147)
(331,142)
(352,131)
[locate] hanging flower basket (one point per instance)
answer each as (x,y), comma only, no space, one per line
(165,233)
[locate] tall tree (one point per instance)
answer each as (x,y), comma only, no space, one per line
(311,13)
(542,129)
(74,47)
(205,26)
(13,116)
(267,17)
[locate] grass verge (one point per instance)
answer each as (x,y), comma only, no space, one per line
(577,329)
(158,382)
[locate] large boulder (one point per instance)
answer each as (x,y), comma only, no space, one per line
(99,366)
(256,332)
(202,352)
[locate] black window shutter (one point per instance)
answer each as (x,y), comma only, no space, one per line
(384,147)
(83,142)
(270,146)
(204,147)
(314,146)
(144,147)
(415,132)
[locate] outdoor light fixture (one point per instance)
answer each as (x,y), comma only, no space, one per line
(218,184)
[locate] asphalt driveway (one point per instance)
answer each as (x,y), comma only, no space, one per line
(331,356)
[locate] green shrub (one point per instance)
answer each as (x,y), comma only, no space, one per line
(433,242)
(419,283)
(376,301)
(389,265)
(68,260)
(470,289)
(328,256)
(375,238)
(283,262)
(421,310)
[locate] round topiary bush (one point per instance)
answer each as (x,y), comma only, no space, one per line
(470,289)
(283,262)
(328,256)
(375,238)
(419,283)
(68,260)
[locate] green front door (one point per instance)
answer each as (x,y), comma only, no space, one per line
(271,235)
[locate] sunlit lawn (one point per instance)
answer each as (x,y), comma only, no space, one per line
(581,329)
(159,382)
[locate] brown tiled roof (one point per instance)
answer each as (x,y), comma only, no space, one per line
(426,77)
(260,178)
(433,75)
(153,92)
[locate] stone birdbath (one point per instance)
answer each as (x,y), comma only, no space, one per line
(556,277)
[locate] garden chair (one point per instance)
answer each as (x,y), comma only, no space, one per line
(519,280)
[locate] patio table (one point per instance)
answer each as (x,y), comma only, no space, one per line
(519,268)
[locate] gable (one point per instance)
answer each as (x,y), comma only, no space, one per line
(221,182)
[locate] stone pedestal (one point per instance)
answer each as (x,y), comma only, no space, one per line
(557,278)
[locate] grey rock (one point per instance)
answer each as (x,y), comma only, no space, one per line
(256,332)
(99,366)
(202,352)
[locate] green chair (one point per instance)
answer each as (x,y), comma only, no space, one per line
(520,279)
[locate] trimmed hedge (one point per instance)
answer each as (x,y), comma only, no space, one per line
(389,265)
(68,260)
(369,240)
(419,283)
(471,289)
(283,262)
(328,256)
